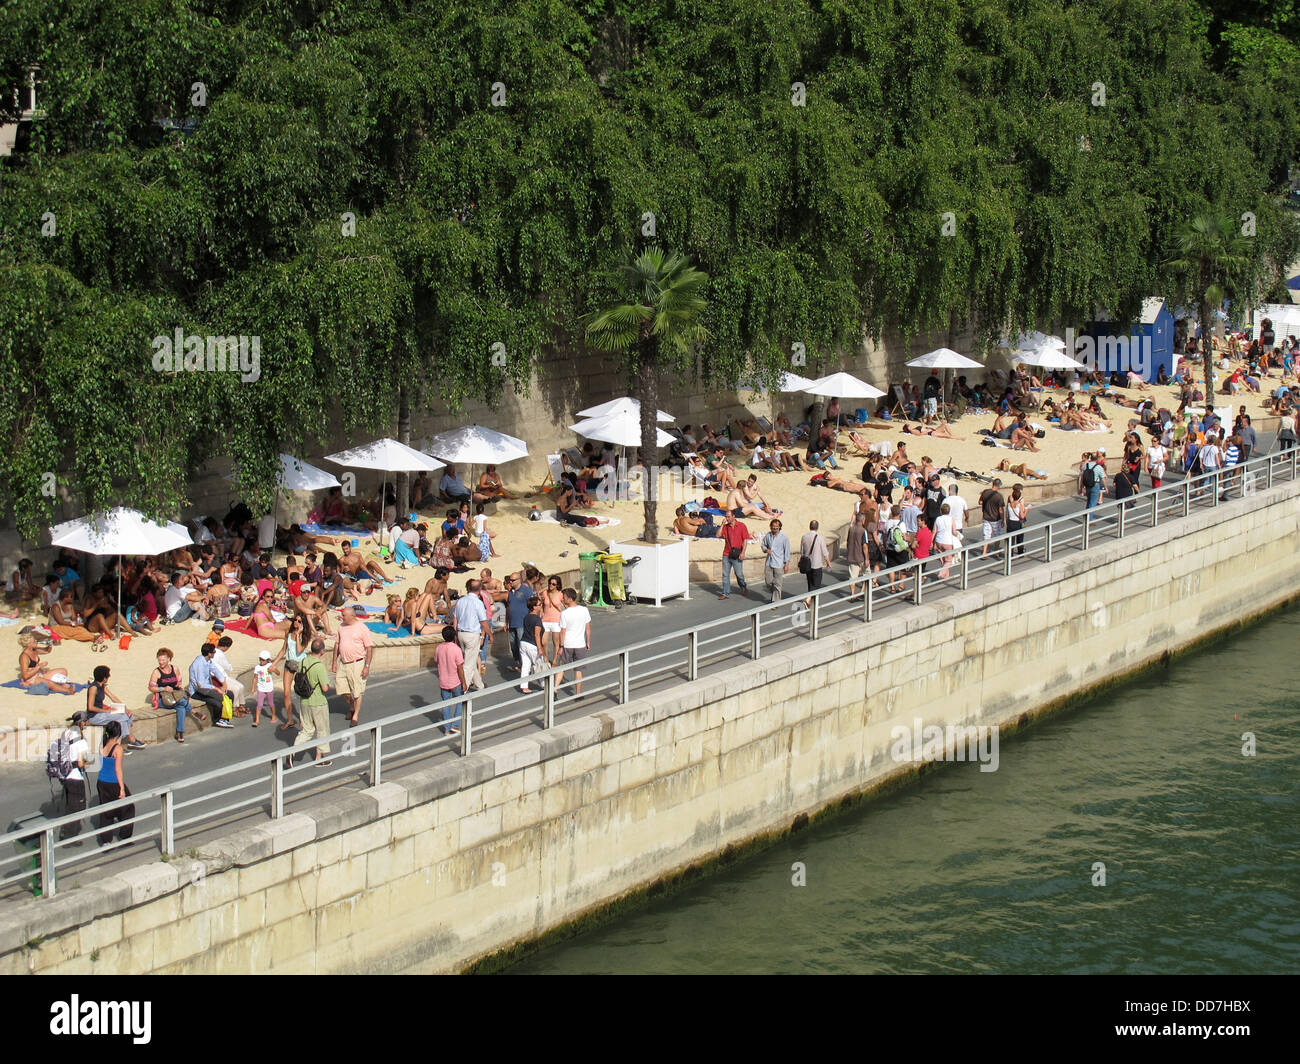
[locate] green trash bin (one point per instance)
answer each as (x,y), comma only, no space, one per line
(612,565)
(589,577)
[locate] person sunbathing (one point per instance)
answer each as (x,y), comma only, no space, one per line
(262,620)
(1003,427)
(939,429)
(747,430)
(354,567)
(1083,420)
(840,483)
(746,500)
(1022,436)
(397,609)
(698,526)
(32,674)
(1021,470)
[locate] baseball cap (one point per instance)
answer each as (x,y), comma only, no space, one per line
(264,656)
(218,626)
(1101,450)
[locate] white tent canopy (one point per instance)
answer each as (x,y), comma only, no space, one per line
(621,408)
(621,430)
(476,445)
(944,358)
(842,386)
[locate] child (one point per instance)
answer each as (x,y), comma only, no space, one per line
(264,672)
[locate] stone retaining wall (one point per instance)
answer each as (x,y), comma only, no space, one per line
(463,859)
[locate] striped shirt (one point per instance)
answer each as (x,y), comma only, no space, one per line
(1232,456)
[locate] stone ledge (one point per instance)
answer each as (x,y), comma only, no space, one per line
(340,813)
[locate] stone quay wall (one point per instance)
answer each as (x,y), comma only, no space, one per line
(464,859)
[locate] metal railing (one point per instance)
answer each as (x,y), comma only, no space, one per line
(213,800)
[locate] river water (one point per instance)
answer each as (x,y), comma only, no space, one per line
(994,872)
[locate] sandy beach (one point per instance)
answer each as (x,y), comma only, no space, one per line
(549,546)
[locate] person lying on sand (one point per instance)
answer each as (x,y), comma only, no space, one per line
(1083,420)
(1022,470)
(939,429)
(745,500)
(839,482)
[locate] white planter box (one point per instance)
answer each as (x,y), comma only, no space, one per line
(662,573)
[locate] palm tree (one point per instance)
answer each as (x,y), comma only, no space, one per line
(1210,250)
(655,332)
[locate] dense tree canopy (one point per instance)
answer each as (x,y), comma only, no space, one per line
(834,167)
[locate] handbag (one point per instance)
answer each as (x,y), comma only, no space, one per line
(734,554)
(805,564)
(168,697)
(227,707)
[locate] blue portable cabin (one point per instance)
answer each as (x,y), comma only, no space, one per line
(1154,331)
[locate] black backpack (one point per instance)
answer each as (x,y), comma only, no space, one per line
(1089,476)
(302,685)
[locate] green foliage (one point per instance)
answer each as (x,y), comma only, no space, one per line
(477,224)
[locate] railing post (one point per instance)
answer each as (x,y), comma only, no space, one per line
(1087,529)
(1155,506)
(1187,497)
(1214,489)
(167,822)
(376,754)
(1047,543)
(1006,557)
(548,701)
(916,581)
(692,655)
(1295,452)
(465,744)
(277,788)
(624,676)
(48,876)
(963,563)
(755,635)
(814,616)
(1268,479)
(1119,520)
(868,597)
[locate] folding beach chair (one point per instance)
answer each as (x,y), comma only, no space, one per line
(900,402)
(861,447)
(554,470)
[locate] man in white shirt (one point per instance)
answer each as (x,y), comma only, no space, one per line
(182,602)
(575,626)
(236,689)
(957,508)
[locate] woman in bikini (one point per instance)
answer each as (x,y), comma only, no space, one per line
(397,612)
(263,623)
(941,430)
(552,604)
(32,674)
(1020,470)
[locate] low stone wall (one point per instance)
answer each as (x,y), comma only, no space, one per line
(463,859)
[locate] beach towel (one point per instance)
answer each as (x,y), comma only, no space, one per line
(245,625)
(388,631)
(312,528)
(76,687)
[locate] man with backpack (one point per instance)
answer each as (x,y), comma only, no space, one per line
(311,684)
(66,763)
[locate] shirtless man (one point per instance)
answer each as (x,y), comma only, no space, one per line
(842,483)
(313,609)
(1022,435)
(688,524)
(1020,470)
(1084,420)
(354,567)
(745,500)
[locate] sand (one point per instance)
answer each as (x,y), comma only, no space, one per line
(549,546)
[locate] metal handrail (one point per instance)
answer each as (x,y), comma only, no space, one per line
(680,650)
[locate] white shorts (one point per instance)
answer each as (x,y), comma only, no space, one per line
(993,528)
(550,626)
